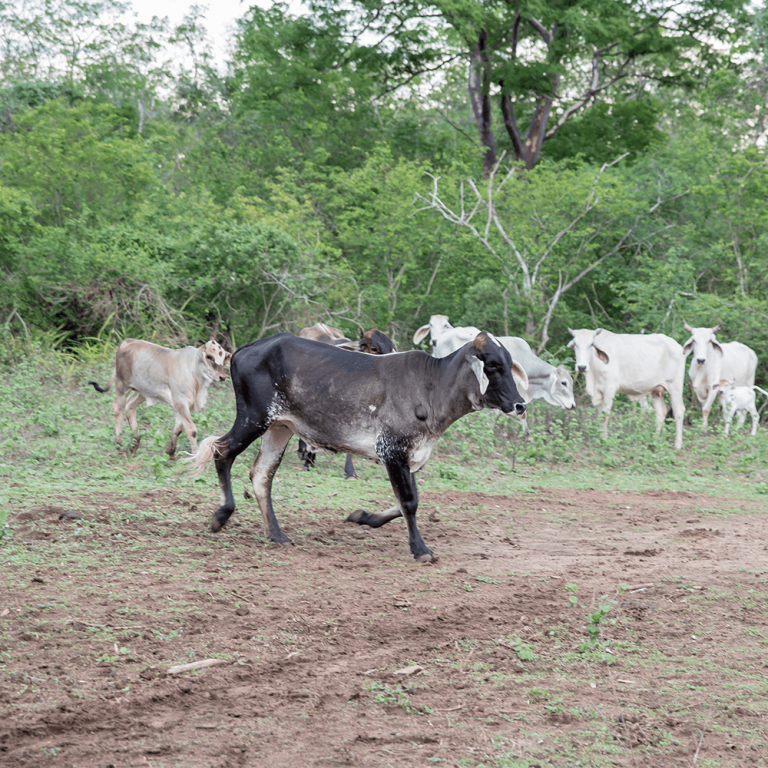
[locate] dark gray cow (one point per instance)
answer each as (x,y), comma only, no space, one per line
(389,408)
(371,342)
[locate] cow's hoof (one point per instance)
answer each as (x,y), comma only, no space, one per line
(358,516)
(216,525)
(351,477)
(428,557)
(281,539)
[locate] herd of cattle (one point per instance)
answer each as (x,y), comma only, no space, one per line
(393,407)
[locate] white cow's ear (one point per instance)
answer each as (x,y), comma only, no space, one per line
(600,354)
(478,370)
(519,375)
(571,343)
(687,346)
(717,347)
(421,334)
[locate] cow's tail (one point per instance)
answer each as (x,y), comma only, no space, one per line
(761,391)
(108,387)
(209,449)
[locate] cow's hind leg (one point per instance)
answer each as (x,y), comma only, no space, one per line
(273,444)
(135,399)
(349,468)
(305,455)
(230,446)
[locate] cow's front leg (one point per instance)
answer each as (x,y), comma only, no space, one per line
(407,496)
(605,410)
(183,419)
(349,468)
(273,444)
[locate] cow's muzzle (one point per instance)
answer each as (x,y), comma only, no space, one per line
(701,360)
(581,368)
(519,408)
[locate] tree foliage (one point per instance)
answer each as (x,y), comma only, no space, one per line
(523,167)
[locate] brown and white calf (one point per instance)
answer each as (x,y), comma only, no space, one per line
(147,372)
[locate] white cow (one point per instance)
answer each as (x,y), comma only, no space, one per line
(739,400)
(545,381)
(444,338)
(713,364)
(631,364)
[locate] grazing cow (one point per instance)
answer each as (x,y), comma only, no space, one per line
(371,342)
(631,364)
(713,364)
(739,400)
(388,408)
(180,377)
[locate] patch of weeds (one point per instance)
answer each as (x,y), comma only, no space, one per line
(395,695)
(487,580)
(594,620)
(571,590)
(523,650)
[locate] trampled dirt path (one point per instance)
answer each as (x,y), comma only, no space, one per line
(314,635)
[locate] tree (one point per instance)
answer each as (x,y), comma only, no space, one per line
(545,230)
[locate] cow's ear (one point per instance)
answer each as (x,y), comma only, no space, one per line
(519,375)
(717,346)
(687,346)
(602,356)
(572,342)
(352,346)
(478,369)
(421,334)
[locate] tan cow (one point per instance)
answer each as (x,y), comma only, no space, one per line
(146,372)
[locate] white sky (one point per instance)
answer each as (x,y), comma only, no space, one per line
(219,16)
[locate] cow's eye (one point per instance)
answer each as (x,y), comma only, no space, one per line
(375,350)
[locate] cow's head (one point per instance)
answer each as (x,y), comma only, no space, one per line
(702,342)
(214,358)
(438,324)
(375,342)
(497,376)
(561,388)
(586,343)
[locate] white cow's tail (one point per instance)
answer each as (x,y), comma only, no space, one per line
(761,391)
(211,448)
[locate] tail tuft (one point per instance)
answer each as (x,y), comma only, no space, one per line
(97,387)
(209,449)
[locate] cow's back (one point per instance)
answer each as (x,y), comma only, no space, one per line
(639,362)
(739,364)
(521,352)
(155,371)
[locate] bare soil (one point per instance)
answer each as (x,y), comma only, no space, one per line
(314,634)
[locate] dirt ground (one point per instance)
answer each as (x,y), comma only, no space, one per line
(315,636)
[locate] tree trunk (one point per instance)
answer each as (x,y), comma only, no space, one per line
(481,103)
